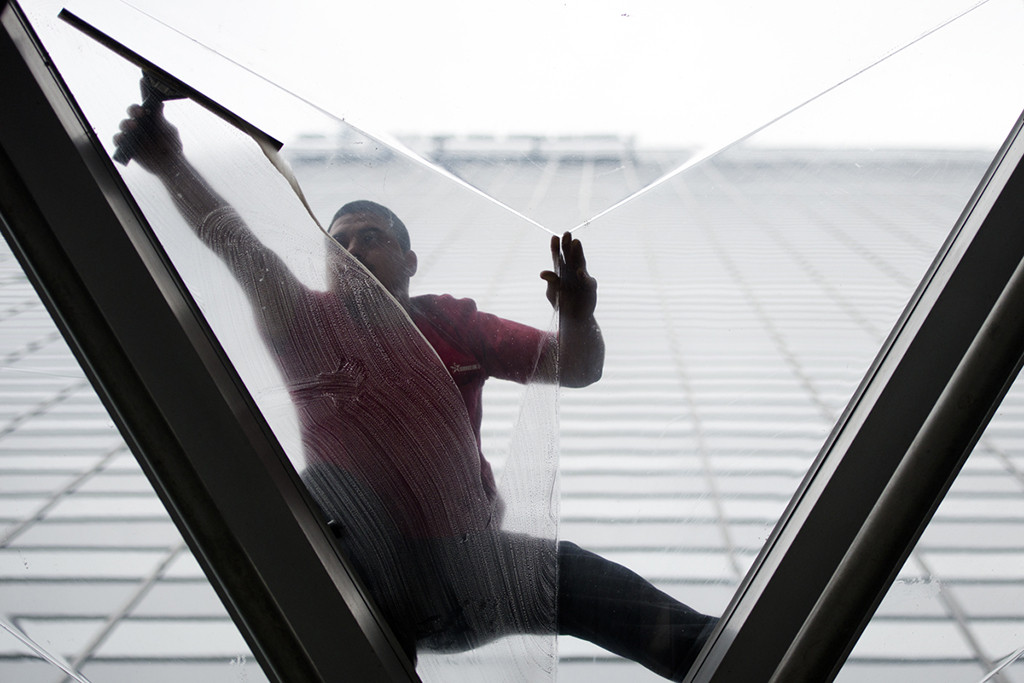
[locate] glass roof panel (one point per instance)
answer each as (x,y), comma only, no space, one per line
(741,299)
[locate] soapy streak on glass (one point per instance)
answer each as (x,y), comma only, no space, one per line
(387,446)
(384,433)
(415,376)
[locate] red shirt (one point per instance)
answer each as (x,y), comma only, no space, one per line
(474,346)
(368,392)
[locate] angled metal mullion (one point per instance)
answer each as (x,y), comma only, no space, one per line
(169,387)
(893,454)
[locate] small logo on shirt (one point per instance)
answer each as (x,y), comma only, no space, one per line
(455,367)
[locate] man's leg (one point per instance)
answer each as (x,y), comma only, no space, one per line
(615,608)
(457,594)
(446,595)
(371,542)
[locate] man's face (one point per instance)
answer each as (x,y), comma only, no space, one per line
(370,240)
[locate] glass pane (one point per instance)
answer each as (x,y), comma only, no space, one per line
(360,400)
(375,423)
(956,612)
(741,299)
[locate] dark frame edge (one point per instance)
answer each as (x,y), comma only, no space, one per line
(785,623)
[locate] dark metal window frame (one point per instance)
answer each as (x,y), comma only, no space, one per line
(225,481)
(893,454)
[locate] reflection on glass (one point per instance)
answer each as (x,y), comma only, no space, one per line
(955,611)
(740,303)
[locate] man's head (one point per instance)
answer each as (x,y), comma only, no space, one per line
(378,239)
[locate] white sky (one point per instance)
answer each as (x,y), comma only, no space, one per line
(671,72)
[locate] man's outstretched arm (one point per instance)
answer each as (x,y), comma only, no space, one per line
(150,140)
(573,292)
(154,143)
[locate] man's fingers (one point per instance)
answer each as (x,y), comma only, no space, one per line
(578,259)
(556,256)
(570,264)
(568,272)
(575,261)
(553,283)
(132,130)
(135,121)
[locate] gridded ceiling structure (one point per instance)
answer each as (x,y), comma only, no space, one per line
(773,440)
